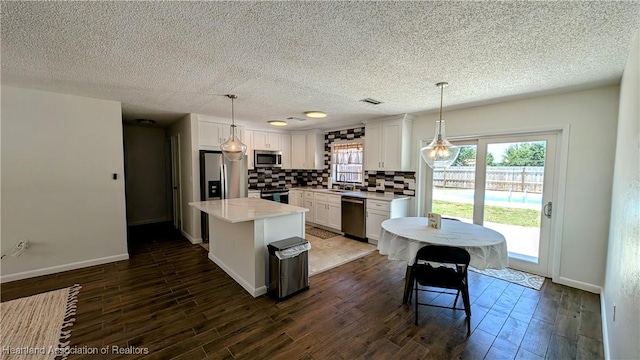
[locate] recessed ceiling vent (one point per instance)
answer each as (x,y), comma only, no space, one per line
(296,118)
(371,101)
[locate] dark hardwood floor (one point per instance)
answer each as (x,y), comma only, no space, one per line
(169,299)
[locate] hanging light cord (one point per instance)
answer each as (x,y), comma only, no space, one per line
(233,123)
(441,85)
(441,94)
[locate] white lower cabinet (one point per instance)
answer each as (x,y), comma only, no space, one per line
(308,202)
(321,213)
(296,198)
(334,220)
(324,209)
(379,211)
(253,194)
(328,210)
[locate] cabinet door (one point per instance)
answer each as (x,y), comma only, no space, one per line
(391,145)
(372,147)
(295,198)
(321,215)
(334,219)
(210,133)
(374,224)
(298,151)
(247,138)
(315,151)
(273,141)
(285,147)
(260,140)
(311,213)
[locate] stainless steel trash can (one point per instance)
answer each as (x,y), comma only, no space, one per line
(288,267)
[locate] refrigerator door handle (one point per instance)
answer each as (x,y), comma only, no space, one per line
(223,181)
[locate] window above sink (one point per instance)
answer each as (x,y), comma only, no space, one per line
(347,163)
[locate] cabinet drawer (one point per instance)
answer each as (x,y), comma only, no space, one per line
(334,199)
(321,197)
(308,195)
(378,205)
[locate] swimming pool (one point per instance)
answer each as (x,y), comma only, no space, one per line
(498,198)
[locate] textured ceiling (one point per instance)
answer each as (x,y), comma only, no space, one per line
(165,59)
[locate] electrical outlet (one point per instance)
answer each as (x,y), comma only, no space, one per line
(23,244)
(614,312)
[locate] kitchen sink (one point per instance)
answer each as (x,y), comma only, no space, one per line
(339,190)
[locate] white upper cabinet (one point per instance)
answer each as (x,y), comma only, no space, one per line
(285,147)
(307,150)
(387,144)
(315,151)
(247,138)
(298,150)
(211,134)
(263,140)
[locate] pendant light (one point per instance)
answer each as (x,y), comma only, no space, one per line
(440,153)
(233,149)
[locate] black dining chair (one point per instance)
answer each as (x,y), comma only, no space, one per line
(444,267)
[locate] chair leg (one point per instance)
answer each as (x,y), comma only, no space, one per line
(416,291)
(408,285)
(467,308)
(455,302)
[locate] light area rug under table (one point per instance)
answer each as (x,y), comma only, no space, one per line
(39,326)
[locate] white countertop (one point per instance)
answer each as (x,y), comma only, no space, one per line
(360,194)
(245,209)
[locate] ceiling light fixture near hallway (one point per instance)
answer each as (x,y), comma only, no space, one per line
(277,123)
(315,114)
(440,153)
(145,121)
(233,149)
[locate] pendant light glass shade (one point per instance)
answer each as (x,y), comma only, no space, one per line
(233,149)
(440,153)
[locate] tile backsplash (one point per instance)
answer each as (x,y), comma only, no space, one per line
(397,182)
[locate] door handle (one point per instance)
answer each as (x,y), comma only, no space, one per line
(547,210)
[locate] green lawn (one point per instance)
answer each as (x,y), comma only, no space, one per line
(497,214)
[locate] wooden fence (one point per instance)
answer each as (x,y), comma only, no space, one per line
(514,178)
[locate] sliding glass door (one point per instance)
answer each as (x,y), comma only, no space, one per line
(506,184)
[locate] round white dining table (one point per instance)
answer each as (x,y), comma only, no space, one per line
(401,239)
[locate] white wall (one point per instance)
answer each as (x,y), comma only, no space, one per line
(187,128)
(59,153)
(592,117)
(622,279)
(145,150)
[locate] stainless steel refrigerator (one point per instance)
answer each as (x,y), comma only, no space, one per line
(220,179)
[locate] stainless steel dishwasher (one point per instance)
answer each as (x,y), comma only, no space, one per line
(354,218)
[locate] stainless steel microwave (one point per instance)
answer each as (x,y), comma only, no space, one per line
(267,158)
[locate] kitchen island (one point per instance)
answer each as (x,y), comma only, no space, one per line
(240,230)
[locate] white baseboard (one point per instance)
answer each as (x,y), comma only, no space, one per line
(579,285)
(61,268)
(255,292)
(190,238)
(150,221)
(605,332)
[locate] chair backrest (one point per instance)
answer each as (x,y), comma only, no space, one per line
(442,276)
(444,254)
